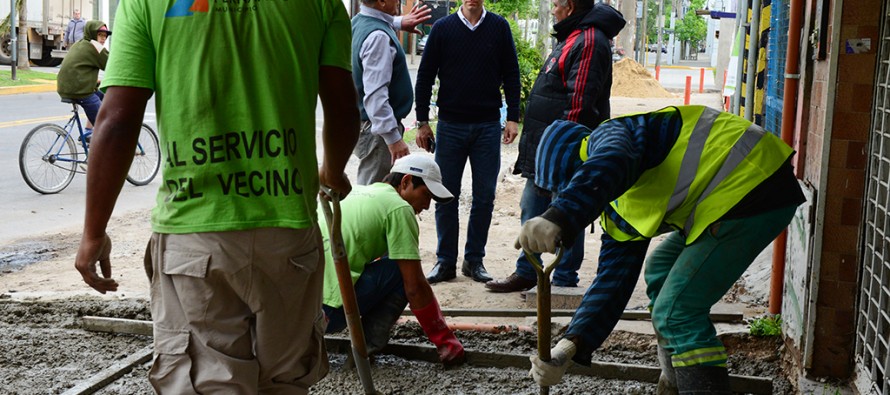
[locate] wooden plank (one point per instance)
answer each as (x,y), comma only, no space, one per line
(605,370)
(111,373)
(627,315)
(117,325)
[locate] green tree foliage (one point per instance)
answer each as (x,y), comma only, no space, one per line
(652,20)
(692,28)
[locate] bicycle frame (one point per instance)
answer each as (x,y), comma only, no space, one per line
(69,128)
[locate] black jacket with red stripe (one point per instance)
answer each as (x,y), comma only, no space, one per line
(574,83)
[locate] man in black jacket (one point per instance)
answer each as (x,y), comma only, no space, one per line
(573,85)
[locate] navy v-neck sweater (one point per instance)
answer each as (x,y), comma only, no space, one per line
(472,65)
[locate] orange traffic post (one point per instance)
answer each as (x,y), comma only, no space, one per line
(701,80)
(725,74)
(688,90)
(657,73)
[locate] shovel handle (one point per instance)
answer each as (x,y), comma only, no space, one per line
(543,302)
(332,215)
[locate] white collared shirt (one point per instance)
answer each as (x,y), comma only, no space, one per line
(472,27)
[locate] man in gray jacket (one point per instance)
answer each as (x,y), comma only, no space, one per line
(381,78)
(74,32)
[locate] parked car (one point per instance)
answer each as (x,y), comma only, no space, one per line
(654,47)
(421,43)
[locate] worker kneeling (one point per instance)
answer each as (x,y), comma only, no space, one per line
(381,236)
(721,186)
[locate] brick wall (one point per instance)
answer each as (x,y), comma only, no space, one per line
(850,128)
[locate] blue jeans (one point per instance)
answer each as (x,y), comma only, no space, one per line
(91,104)
(533,203)
(380,281)
(481,144)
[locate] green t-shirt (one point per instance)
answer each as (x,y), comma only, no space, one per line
(236,86)
(375,221)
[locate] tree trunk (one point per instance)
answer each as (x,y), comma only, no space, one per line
(543,37)
(23,61)
(626,37)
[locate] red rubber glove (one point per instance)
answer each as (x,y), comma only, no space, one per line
(433,323)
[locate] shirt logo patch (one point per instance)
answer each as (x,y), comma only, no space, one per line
(187,8)
(550,65)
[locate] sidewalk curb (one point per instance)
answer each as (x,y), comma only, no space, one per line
(16,90)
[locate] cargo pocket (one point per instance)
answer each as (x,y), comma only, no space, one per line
(316,357)
(171,370)
(187,272)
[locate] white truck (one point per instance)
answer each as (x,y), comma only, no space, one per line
(45,26)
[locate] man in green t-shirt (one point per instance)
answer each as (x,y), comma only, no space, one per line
(236,255)
(381,236)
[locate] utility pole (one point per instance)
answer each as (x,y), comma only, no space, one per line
(660,24)
(12,36)
(644,36)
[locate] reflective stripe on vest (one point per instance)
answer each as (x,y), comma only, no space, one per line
(737,154)
(692,158)
(717,159)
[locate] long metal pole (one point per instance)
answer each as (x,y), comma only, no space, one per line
(753,50)
(13,44)
(789,118)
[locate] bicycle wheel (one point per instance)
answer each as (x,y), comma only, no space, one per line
(47,159)
(147,160)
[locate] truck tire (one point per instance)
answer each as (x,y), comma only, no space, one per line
(48,60)
(5,50)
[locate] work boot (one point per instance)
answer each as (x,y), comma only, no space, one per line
(513,283)
(667,382)
(441,272)
(702,380)
(476,271)
(378,322)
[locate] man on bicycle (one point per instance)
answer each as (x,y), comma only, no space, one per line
(78,78)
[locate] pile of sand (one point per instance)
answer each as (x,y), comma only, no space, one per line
(631,79)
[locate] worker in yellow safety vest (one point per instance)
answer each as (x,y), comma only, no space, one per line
(723,189)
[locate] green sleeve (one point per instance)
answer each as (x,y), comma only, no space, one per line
(336,49)
(402,234)
(132,62)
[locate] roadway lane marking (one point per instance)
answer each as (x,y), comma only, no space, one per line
(33,120)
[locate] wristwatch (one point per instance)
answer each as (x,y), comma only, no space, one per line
(422,123)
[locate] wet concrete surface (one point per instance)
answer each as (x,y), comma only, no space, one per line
(43,350)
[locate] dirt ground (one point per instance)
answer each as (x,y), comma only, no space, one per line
(42,298)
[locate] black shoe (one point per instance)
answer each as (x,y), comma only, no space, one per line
(513,283)
(476,271)
(441,273)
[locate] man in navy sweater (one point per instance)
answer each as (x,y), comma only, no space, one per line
(472,53)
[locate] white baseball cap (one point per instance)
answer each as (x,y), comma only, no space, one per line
(425,167)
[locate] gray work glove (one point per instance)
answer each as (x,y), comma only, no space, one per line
(550,373)
(539,235)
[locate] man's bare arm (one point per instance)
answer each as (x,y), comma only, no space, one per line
(111,152)
(341,126)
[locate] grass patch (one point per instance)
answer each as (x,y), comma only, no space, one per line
(25,77)
(766,326)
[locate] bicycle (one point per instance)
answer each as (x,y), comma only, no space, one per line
(49,156)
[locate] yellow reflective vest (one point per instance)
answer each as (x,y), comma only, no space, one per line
(717,159)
